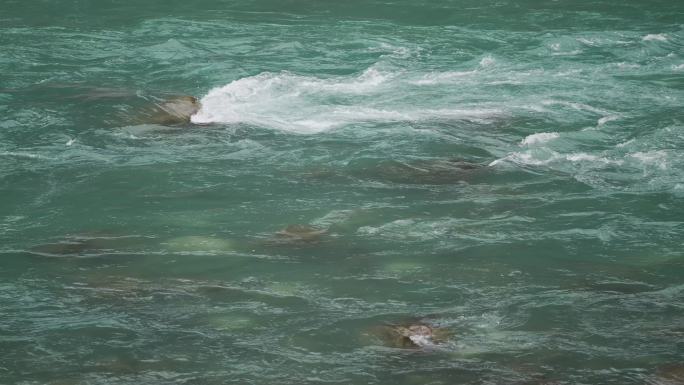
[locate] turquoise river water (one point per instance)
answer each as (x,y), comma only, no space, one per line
(509,173)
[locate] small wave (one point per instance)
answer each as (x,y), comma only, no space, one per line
(602,41)
(541,137)
(655,158)
(394,51)
(517,158)
(487,61)
(333,217)
(607,119)
(568,53)
(409,229)
(623,144)
(546,156)
(442,77)
(579,157)
(623,65)
(588,42)
(575,106)
(655,37)
(26,155)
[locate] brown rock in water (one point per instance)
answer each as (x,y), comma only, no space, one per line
(411,336)
(300,233)
(85,244)
(672,374)
(169,111)
(172,111)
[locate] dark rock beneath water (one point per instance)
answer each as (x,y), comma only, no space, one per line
(672,374)
(424,171)
(300,233)
(65,248)
(175,110)
(410,335)
(86,244)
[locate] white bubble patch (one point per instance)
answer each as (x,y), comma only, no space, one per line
(655,37)
(541,137)
(309,105)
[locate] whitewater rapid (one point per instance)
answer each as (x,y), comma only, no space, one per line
(309,104)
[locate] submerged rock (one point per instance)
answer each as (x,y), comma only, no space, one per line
(175,110)
(425,171)
(411,335)
(228,322)
(60,249)
(672,374)
(299,233)
(199,244)
(172,111)
(97,243)
(403,267)
(116,106)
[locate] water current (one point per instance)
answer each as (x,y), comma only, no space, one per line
(508,173)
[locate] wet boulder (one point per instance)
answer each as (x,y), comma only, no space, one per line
(176,110)
(411,335)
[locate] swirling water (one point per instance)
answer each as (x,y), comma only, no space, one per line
(510,171)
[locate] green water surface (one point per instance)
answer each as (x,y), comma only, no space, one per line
(510,171)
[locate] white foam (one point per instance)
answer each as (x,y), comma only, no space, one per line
(655,37)
(579,157)
(588,42)
(575,105)
(442,77)
(397,224)
(23,155)
(281,100)
(538,138)
(623,65)
(524,158)
(591,159)
(607,119)
(420,340)
(487,61)
(396,51)
(546,157)
(568,53)
(410,229)
(305,104)
(655,158)
(572,72)
(623,144)
(678,67)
